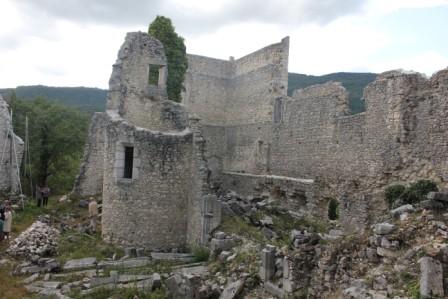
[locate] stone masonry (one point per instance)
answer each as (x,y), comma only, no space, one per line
(9,179)
(145,155)
(308,148)
(248,136)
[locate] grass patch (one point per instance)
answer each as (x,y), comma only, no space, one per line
(75,245)
(11,286)
(200,253)
(240,227)
(123,293)
(413,289)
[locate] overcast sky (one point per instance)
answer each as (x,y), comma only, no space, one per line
(75,42)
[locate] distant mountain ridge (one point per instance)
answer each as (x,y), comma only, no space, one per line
(353,82)
(94,99)
(85,98)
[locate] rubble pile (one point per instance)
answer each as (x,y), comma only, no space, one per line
(40,239)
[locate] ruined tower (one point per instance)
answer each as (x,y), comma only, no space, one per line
(145,155)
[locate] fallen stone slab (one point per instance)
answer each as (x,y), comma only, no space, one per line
(180,257)
(87,262)
(430,204)
(50,284)
(129,263)
(232,290)
(383,228)
(31,279)
(401,210)
(431,278)
(196,270)
(384,252)
(87,273)
(126,278)
(439,196)
(274,290)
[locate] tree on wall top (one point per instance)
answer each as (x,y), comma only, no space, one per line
(175,51)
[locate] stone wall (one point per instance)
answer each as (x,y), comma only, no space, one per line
(90,177)
(237,92)
(10,153)
(165,203)
(148,210)
(253,127)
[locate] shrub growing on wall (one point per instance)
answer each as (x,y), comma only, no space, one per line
(393,193)
(398,194)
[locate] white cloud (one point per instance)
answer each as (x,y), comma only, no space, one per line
(389,6)
(427,62)
(70,44)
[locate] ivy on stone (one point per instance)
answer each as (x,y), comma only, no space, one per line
(175,51)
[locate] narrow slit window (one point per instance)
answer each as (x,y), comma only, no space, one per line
(278,113)
(128,161)
(153,75)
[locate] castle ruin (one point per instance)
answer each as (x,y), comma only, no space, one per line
(157,165)
(145,155)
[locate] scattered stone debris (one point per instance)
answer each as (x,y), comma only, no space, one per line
(39,240)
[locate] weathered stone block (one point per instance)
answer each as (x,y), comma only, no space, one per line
(267,269)
(431,278)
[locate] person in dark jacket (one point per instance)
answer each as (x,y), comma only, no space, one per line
(45,194)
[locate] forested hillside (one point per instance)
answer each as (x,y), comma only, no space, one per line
(86,99)
(94,99)
(353,82)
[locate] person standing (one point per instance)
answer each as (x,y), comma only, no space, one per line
(8,222)
(45,194)
(38,196)
(93,213)
(2,221)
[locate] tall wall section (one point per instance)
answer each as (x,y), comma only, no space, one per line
(11,151)
(235,100)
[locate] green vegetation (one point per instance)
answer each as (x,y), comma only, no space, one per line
(75,245)
(393,193)
(353,82)
(175,51)
(399,194)
(57,135)
(240,227)
(201,253)
(85,98)
(120,293)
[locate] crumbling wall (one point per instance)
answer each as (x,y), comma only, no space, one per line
(11,152)
(402,136)
(89,181)
(148,159)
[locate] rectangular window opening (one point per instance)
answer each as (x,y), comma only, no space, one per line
(153,75)
(128,161)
